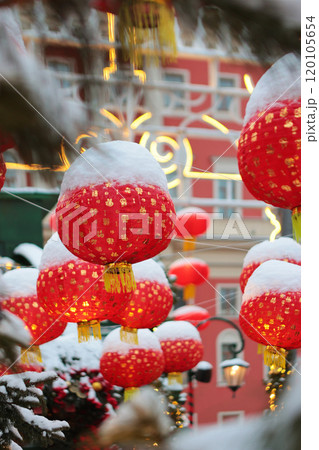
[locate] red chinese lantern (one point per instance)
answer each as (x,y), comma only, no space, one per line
(3,170)
(115,210)
(131,364)
(283,249)
(269,148)
(21,300)
(74,290)
(189,272)
(151,301)
(190,223)
(53,222)
(192,314)
(108,6)
(182,347)
(271,310)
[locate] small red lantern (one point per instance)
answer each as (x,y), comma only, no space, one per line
(282,249)
(269,148)
(192,314)
(74,289)
(190,223)
(271,310)
(3,170)
(134,364)
(190,272)
(151,301)
(21,300)
(115,210)
(182,347)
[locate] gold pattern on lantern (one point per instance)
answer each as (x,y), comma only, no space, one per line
(284,112)
(298,112)
(123,202)
(269,117)
(109,202)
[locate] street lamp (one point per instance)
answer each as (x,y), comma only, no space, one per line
(234,372)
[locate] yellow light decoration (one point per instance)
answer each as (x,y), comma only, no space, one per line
(144,138)
(174,183)
(137,122)
(273,220)
(140,74)
(248,83)
(215,123)
(112,67)
(63,157)
(170,169)
(160,158)
(111,117)
(167,140)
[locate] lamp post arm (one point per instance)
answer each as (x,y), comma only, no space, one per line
(229,322)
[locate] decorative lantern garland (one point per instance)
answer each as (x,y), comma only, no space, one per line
(182,348)
(190,223)
(114,209)
(21,300)
(3,170)
(283,249)
(271,310)
(131,365)
(269,148)
(74,290)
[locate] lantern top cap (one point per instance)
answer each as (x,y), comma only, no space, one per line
(188,309)
(55,253)
(275,277)
(149,270)
(172,330)
(234,362)
(281,248)
(280,82)
(20,282)
(120,162)
(146,340)
(187,262)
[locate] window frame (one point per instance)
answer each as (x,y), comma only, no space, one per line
(221,414)
(234,110)
(219,311)
(226,165)
(170,110)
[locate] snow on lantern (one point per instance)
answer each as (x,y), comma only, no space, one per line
(115,209)
(3,170)
(192,314)
(74,290)
(182,348)
(20,298)
(271,310)
(189,272)
(152,300)
(131,365)
(283,249)
(190,223)
(269,148)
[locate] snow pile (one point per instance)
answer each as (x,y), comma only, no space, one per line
(181,329)
(186,262)
(120,161)
(188,309)
(13,328)
(67,351)
(203,365)
(55,253)
(280,82)
(146,340)
(149,270)
(31,252)
(281,248)
(20,282)
(273,276)
(234,362)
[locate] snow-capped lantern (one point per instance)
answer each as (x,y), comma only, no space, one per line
(21,299)
(282,249)
(152,300)
(74,289)
(189,272)
(3,170)
(182,347)
(192,314)
(271,310)
(269,147)
(190,223)
(115,210)
(131,364)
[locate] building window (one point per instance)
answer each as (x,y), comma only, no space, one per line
(62,66)
(227,189)
(230,416)
(174,99)
(225,103)
(226,339)
(228,300)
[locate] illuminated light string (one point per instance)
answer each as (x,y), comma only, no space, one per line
(273,220)
(248,83)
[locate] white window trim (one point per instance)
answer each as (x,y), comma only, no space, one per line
(227,165)
(235,110)
(170,111)
(74,89)
(219,311)
(222,414)
(227,336)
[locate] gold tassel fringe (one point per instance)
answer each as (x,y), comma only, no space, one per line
(175,378)
(189,293)
(129,335)
(119,278)
(31,355)
(296,223)
(130,392)
(189,244)
(88,329)
(260,349)
(275,356)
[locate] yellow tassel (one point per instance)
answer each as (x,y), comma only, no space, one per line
(119,277)
(296,223)
(260,349)
(129,335)
(31,355)
(130,392)
(276,357)
(175,378)
(189,293)
(189,244)
(86,328)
